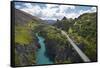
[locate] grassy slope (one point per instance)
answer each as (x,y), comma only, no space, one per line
(23,35)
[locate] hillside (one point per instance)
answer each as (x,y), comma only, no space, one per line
(25,39)
(22,17)
(83,31)
(64,24)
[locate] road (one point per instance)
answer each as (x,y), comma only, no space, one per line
(77,49)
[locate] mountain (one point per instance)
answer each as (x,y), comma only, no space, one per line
(50,22)
(64,24)
(22,17)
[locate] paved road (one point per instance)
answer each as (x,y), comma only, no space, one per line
(81,54)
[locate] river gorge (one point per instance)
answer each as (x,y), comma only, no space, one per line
(41,58)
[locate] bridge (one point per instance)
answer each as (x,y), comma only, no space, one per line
(77,49)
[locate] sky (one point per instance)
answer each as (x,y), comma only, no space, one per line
(53,11)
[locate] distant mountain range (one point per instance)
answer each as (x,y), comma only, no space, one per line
(50,22)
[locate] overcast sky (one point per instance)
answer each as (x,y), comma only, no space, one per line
(53,11)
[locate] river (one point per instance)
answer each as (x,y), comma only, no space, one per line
(40,54)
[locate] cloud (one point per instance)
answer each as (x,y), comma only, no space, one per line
(93,9)
(28,5)
(33,10)
(45,0)
(49,12)
(20,5)
(53,11)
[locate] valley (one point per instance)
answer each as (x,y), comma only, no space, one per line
(37,42)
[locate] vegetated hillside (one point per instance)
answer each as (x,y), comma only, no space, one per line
(84,32)
(25,39)
(64,24)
